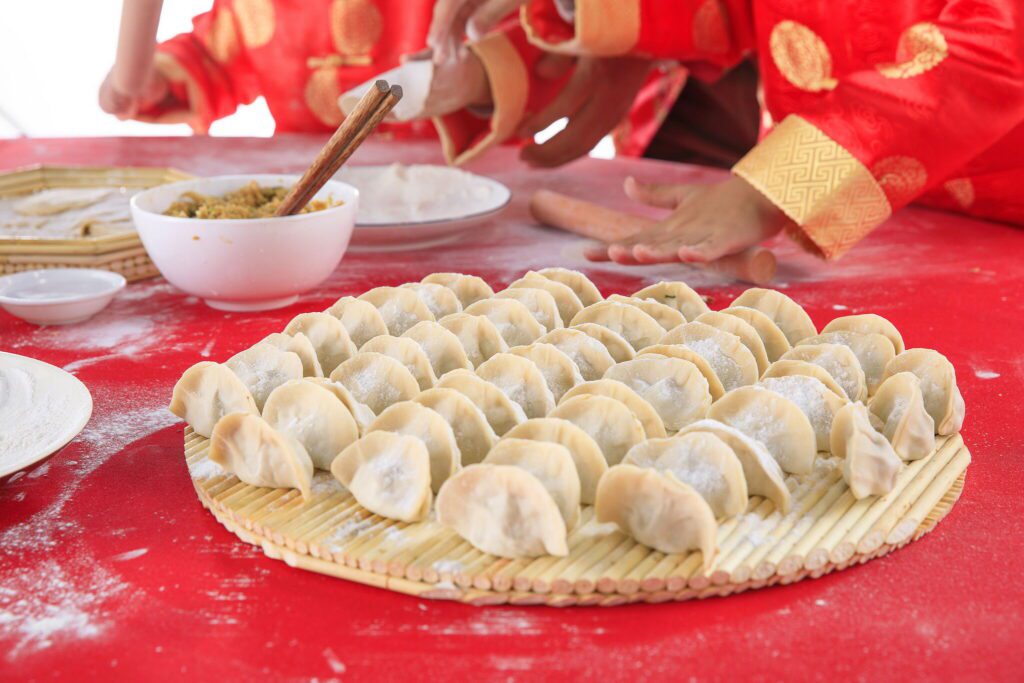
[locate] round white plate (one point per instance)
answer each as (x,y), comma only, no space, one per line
(42,408)
(58,296)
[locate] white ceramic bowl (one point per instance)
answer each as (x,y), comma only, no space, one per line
(58,296)
(245,264)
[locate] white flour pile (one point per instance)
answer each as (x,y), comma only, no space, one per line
(31,411)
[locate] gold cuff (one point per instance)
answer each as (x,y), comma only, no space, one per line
(603,28)
(173,71)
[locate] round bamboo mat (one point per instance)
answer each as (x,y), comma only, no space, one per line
(826,530)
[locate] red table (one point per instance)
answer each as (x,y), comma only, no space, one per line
(110,568)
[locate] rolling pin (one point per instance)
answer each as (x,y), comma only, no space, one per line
(755,264)
(136,45)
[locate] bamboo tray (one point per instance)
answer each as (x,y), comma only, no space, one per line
(826,530)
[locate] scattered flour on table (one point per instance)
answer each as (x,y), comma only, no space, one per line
(30,409)
(130,555)
(986,374)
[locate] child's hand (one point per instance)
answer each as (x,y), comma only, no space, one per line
(707,223)
(128,106)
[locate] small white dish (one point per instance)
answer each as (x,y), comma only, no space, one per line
(58,296)
(250,264)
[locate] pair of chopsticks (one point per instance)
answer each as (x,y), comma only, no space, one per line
(367,115)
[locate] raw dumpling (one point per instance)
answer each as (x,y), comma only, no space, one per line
(870,464)
(408,353)
(732,362)
(791,318)
(207,392)
(479,337)
(942,397)
(502,412)
(439,299)
(468,288)
(657,510)
(328,337)
(868,323)
(590,356)
(560,373)
(678,295)
(376,380)
(666,316)
(568,302)
(413,419)
(675,388)
(576,281)
(361,319)
(704,462)
(389,474)
(541,305)
(444,350)
(313,416)
(644,411)
(256,453)
(551,464)
(775,421)
(775,342)
(812,397)
(263,368)
(616,345)
(400,308)
(586,454)
(300,345)
(361,412)
(788,368)
(635,326)
(685,353)
(873,351)
(612,426)
(898,405)
(520,380)
(473,434)
(763,475)
(742,329)
(513,320)
(838,361)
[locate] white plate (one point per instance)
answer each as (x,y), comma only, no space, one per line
(58,296)
(42,408)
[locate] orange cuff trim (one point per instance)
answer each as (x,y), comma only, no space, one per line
(604,28)
(198,106)
(828,193)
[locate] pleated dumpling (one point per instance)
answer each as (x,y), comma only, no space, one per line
(674,387)
(502,413)
(444,350)
(520,380)
(473,433)
(327,335)
(704,462)
(513,320)
(678,295)
(586,454)
(413,419)
(775,421)
(812,397)
(361,319)
(590,356)
(207,392)
(541,305)
(263,368)
(551,464)
(376,380)
(468,288)
(838,361)
(791,318)
(868,323)
(749,336)
(775,342)
(612,426)
(407,352)
(389,474)
(361,412)
(568,301)
(732,362)
(657,510)
(644,411)
(874,351)
(502,510)
(245,445)
(898,406)
(479,337)
(942,397)
(635,326)
(439,299)
(300,345)
(686,353)
(870,464)
(788,368)
(313,416)
(667,316)
(614,343)
(559,371)
(400,308)
(576,281)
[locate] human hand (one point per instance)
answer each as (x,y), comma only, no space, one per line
(459,81)
(454,19)
(125,106)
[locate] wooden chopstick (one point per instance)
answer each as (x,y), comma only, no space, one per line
(367,115)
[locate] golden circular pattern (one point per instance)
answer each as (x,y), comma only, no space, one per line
(222,39)
(902,178)
(710,30)
(962,191)
(801,56)
(921,48)
(322,94)
(256,21)
(356,26)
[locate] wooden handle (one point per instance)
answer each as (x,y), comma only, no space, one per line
(136,45)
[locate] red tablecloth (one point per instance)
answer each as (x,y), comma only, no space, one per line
(110,568)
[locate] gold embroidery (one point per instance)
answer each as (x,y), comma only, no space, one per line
(604,28)
(256,21)
(801,56)
(222,40)
(902,178)
(710,28)
(823,188)
(921,47)
(322,94)
(356,26)
(962,190)
(334,61)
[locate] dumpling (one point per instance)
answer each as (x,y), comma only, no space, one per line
(551,464)
(635,326)
(775,342)
(389,474)
(468,288)
(328,337)
(666,316)
(473,433)
(775,421)
(502,510)
(520,380)
(538,302)
(361,319)
(791,318)
(838,361)
(502,413)
(361,412)
(560,373)
(685,353)
(657,510)
(300,345)
(413,419)
(408,353)
(313,416)
(576,281)
(742,329)
(616,345)
(263,368)
(590,356)
(868,323)
(675,388)
(439,299)
(787,368)
(763,475)
(812,397)
(898,406)
(259,455)
(513,320)
(644,411)
(870,464)
(479,337)
(568,301)
(732,362)
(400,308)
(678,295)
(444,350)
(376,380)
(942,397)
(874,351)
(207,392)
(612,426)
(586,454)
